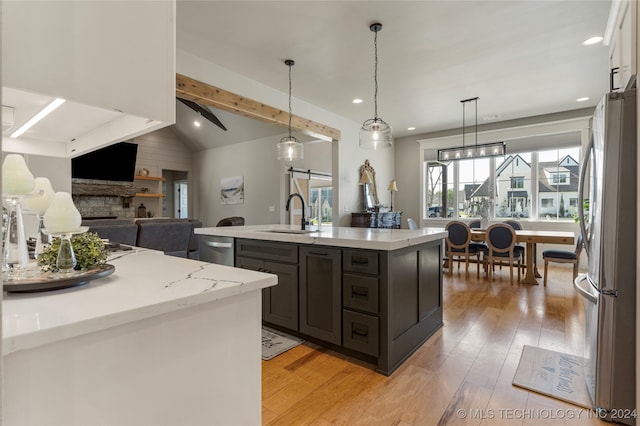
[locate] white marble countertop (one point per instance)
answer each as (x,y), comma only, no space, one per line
(364,238)
(145,283)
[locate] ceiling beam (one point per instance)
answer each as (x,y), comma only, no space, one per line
(205,94)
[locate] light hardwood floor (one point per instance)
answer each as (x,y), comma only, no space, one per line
(464,369)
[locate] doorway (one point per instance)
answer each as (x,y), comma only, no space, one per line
(317,190)
(181,197)
(176,189)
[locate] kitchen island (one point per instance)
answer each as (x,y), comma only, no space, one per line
(374,294)
(161,341)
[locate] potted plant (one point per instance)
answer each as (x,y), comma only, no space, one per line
(88,248)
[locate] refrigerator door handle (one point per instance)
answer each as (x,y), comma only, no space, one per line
(582,286)
(583,175)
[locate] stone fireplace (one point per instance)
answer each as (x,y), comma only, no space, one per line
(103,199)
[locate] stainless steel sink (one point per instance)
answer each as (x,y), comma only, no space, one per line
(292,231)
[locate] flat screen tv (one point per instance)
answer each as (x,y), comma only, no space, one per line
(114,162)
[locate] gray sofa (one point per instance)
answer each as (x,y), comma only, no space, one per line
(174,237)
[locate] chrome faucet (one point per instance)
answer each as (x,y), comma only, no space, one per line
(303,222)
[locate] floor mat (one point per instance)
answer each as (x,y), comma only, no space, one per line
(276,342)
(553,374)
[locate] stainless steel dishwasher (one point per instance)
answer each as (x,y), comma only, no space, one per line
(214,249)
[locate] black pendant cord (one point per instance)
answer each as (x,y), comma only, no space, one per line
(375,75)
(289,63)
(463,114)
(476,102)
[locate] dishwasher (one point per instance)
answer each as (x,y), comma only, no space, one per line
(215,249)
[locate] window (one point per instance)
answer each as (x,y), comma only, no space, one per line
(320,202)
(546,203)
(543,184)
(558,175)
(517,182)
(513,186)
(557,178)
(438,182)
(474,188)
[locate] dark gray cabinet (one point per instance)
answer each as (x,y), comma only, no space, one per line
(375,305)
(320,300)
(280,302)
(360,301)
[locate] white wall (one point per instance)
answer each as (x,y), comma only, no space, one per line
(163,150)
(264,178)
(408,162)
(347,157)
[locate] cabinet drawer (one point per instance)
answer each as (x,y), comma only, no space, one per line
(252,264)
(365,262)
(360,292)
(282,252)
(360,332)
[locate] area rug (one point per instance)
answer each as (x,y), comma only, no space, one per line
(553,374)
(276,342)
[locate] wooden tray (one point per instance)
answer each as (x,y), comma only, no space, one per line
(48,281)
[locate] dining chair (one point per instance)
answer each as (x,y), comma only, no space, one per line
(458,246)
(563,256)
(501,240)
(518,247)
(474,224)
(412,223)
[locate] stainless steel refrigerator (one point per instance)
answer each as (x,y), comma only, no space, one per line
(608,227)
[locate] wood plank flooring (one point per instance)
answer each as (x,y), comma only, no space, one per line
(462,375)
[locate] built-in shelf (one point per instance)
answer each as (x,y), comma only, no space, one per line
(149,195)
(155,178)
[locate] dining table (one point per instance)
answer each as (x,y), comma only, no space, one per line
(531,238)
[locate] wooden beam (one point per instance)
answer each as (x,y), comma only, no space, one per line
(205,94)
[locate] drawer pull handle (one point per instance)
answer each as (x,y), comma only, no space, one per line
(361,333)
(360,293)
(360,261)
(313,253)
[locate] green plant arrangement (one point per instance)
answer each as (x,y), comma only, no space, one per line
(88,248)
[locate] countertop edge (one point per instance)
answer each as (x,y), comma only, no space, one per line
(359,238)
(14,342)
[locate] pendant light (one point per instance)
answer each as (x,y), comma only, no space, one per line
(289,148)
(375,133)
(464,152)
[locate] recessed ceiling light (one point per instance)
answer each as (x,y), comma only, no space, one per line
(592,40)
(491,117)
(357,101)
(586,98)
(196,123)
(411,128)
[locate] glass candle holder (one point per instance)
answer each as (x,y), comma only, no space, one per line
(66,260)
(42,238)
(66,257)
(15,253)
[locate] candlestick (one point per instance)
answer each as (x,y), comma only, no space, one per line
(15,253)
(39,204)
(62,215)
(16,177)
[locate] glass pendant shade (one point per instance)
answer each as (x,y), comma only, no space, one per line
(290,149)
(375,133)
